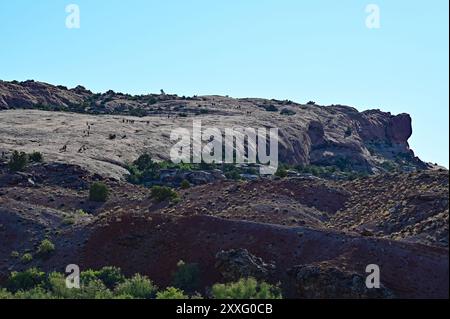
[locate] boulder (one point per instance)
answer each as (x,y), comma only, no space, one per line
(321,281)
(239,263)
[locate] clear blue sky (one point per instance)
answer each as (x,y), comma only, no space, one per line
(315,50)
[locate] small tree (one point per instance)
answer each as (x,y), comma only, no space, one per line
(281,172)
(46,248)
(26,258)
(18,161)
(162,193)
(137,287)
(98,192)
(247,288)
(36,157)
(110,276)
(185,184)
(187,277)
(171,293)
(25,280)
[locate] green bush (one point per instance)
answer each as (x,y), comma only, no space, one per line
(144,162)
(26,258)
(139,287)
(68,220)
(18,161)
(36,157)
(25,280)
(271,108)
(171,293)
(34,293)
(287,112)
(110,276)
(98,192)
(5,294)
(281,172)
(46,247)
(187,277)
(95,289)
(185,184)
(57,286)
(247,288)
(162,193)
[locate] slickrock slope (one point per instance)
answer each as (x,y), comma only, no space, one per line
(369,141)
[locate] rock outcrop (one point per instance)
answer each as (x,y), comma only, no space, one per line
(310,134)
(327,282)
(239,263)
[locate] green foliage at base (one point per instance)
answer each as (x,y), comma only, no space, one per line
(247,288)
(110,283)
(171,293)
(187,277)
(138,287)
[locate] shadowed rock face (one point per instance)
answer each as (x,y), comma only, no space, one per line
(309,134)
(326,282)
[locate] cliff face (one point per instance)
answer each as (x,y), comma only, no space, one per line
(310,134)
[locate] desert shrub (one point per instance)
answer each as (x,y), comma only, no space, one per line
(111,276)
(122,297)
(135,175)
(46,247)
(18,161)
(139,287)
(288,112)
(143,168)
(144,162)
(34,293)
(311,103)
(343,163)
(247,288)
(26,258)
(138,112)
(36,157)
(25,280)
(389,166)
(271,108)
(162,193)
(231,171)
(98,192)
(187,277)
(281,172)
(68,220)
(56,284)
(152,100)
(95,289)
(5,294)
(87,276)
(185,184)
(171,293)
